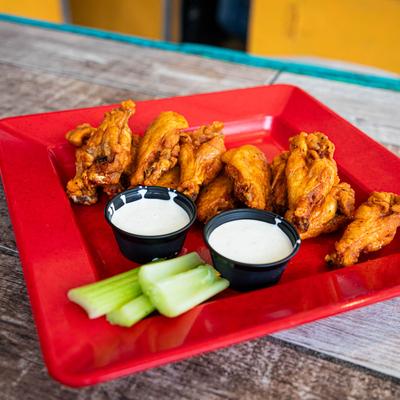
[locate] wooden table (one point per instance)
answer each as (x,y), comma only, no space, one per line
(355,355)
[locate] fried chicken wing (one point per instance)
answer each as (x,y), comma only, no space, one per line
(311,173)
(159,148)
(334,211)
(104,154)
(200,157)
(214,198)
(278,185)
(170,179)
(250,173)
(374,226)
(113,189)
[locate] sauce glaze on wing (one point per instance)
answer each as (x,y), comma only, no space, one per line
(251,176)
(159,148)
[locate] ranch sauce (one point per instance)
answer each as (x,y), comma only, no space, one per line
(251,241)
(150,217)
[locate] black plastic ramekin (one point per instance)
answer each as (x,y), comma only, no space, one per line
(141,248)
(243,276)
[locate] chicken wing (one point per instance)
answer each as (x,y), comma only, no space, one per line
(374,226)
(311,173)
(214,198)
(170,179)
(250,173)
(200,157)
(159,148)
(335,210)
(104,154)
(113,189)
(278,185)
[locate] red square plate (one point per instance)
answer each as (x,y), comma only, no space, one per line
(64,245)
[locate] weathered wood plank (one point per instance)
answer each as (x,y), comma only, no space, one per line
(374,111)
(29,92)
(369,336)
(146,71)
(7,240)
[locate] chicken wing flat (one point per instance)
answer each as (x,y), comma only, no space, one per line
(77,190)
(159,148)
(332,213)
(113,189)
(311,173)
(200,157)
(214,198)
(278,185)
(105,153)
(170,179)
(374,226)
(250,173)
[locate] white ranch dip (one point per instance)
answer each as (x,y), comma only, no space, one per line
(150,217)
(250,241)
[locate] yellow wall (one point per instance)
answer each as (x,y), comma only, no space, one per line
(137,17)
(362,31)
(49,10)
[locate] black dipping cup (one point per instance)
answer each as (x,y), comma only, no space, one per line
(243,276)
(140,248)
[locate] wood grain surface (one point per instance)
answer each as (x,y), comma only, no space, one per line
(43,70)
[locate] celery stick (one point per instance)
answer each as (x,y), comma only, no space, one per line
(131,312)
(156,271)
(176,294)
(104,283)
(99,298)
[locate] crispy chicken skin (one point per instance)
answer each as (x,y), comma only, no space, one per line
(170,179)
(104,154)
(214,198)
(250,173)
(374,226)
(311,173)
(200,157)
(79,191)
(113,189)
(278,184)
(159,148)
(334,211)
(80,134)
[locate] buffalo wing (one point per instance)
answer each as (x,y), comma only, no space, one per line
(159,148)
(311,173)
(374,226)
(250,173)
(103,154)
(214,198)
(200,157)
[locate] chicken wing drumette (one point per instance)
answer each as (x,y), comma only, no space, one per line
(103,154)
(159,148)
(374,226)
(216,197)
(332,213)
(250,173)
(200,157)
(311,173)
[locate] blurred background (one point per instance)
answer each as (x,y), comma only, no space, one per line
(359,32)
